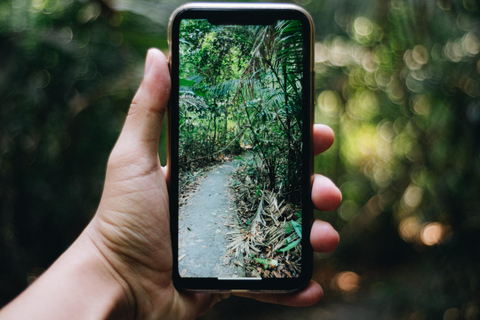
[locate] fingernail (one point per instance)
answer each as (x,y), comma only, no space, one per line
(148,63)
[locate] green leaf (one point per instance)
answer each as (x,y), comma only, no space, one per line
(267,262)
(298,228)
(262,261)
(291,238)
(288,227)
(201,92)
(186,83)
(195,78)
(290,246)
(185,90)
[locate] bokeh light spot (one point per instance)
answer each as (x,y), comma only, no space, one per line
(451,314)
(363,26)
(348,210)
(328,102)
(421,105)
(471,44)
(409,228)
(412,196)
(432,233)
(347,281)
(420,54)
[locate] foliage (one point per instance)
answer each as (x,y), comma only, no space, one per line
(400,86)
(67,75)
(397,80)
(240,85)
(267,234)
(240,88)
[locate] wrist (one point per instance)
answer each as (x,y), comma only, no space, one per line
(98,291)
(79,285)
(112,293)
(144,297)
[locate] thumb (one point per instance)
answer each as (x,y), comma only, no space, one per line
(143,125)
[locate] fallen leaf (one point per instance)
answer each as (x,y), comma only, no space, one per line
(238,264)
(287,273)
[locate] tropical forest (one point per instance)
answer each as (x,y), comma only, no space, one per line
(241,99)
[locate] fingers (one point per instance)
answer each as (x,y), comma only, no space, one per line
(323,237)
(144,120)
(307,297)
(323,137)
(325,194)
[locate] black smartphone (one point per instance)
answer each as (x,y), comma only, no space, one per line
(240,147)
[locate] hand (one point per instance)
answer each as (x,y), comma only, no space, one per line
(131,227)
(121,265)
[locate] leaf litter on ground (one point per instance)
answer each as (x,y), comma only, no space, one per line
(267,232)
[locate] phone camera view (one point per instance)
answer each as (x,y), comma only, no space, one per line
(240,150)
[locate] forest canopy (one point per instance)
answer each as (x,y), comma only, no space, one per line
(241,88)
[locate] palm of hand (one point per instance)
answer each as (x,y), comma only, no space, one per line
(134,227)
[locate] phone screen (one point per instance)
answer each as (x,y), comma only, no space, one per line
(241,126)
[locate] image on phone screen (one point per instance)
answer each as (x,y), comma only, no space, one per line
(241,149)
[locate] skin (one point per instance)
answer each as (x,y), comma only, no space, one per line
(121,265)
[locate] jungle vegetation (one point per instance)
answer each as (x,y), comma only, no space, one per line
(241,89)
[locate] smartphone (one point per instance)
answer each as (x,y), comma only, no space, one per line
(240,147)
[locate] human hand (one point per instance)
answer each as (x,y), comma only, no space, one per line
(131,229)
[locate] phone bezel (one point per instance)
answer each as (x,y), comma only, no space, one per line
(243,13)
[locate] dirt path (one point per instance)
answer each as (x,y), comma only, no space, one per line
(203,226)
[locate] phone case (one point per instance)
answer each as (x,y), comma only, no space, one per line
(242,98)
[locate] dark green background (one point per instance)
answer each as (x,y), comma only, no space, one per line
(398,81)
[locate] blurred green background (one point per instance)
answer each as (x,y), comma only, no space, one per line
(398,81)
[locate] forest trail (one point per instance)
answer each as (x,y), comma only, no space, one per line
(203,226)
